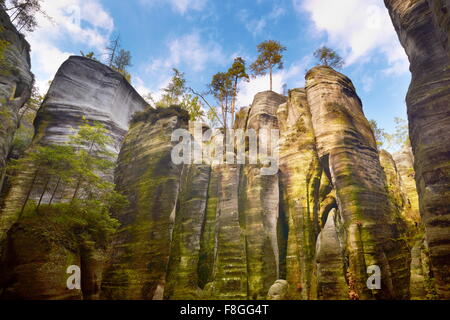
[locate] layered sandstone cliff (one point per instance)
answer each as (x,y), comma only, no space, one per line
(348,153)
(83,90)
(423,28)
(16,81)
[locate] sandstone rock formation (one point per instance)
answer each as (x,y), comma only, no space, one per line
(348,153)
(35,262)
(300,176)
(330,257)
(151,182)
(16,81)
(405,166)
(259,203)
(423,28)
(82,90)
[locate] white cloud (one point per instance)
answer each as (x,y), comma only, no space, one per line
(179,6)
(83,22)
(294,74)
(367,83)
(156,91)
(359,28)
(257,26)
(190,50)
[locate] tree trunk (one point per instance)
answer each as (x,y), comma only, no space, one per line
(76,190)
(43,193)
(54,191)
(29,192)
(233,102)
(270,78)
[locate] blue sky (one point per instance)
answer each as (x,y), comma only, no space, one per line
(201,37)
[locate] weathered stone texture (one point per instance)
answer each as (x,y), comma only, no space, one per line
(16,81)
(423,29)
(332,284)
(150,180)
(82,90)
(348,152)
(300,174)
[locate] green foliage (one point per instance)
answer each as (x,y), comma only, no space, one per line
(90,55)
(238,70)
(79,166)
(328,57)
(211,117)
(24,13)
(193,106)
(401,134)
(118,58)
(149,99)
(88,220)
(270,57)
(4,65)
(381,136)
(221,87)
(176,94)
(24,134)
(122,60)
(174,91)
(152,115)
(91,156)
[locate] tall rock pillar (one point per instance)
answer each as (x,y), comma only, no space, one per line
(423,28)
(348,153)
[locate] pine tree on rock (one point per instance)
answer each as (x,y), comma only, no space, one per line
(270,57)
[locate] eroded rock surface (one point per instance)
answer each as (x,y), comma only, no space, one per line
(348,152)
(16,81)
(151,182)
(300,174)
(423,28)
(82,90)
(259,199)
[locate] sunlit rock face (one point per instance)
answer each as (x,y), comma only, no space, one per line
(300,179)
(16,81)
(404,162)
(86,89)
(348,153)
(259,203)
(151,182)
(82,90)
(423,28)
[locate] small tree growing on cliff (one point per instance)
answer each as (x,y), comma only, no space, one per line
(270,57)
(236,72)
(221,87)
(401,134)
(92,156)
(90,55)
(381,136)
(174,91)
(45,162)
(23,13)
(176,94)
(112,49)
(328,57)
